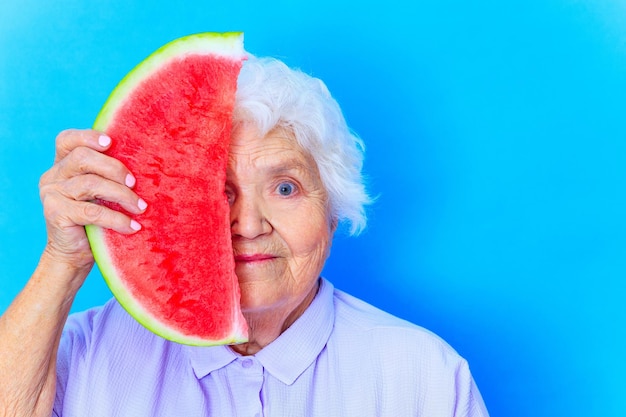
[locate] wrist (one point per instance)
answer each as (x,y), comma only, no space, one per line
(62,272)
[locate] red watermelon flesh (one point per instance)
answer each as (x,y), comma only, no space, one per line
(170,123)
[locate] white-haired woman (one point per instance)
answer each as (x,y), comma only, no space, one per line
(294,174)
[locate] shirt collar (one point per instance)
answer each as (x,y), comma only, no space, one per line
(287,357)
(205,360)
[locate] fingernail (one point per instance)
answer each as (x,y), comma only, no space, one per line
(104,141)
(134,225)
(142,204)
(130,180)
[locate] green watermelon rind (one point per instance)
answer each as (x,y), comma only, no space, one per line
(229,44)
(110,275)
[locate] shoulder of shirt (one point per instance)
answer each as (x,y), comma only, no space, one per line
(353,315)
(85,326)
(87,319)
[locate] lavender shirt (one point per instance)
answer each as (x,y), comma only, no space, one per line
(342,357)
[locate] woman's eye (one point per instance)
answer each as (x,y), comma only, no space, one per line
(286,188)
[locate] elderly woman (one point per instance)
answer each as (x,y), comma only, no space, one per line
(294,174)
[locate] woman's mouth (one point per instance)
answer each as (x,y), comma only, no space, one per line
(256,257)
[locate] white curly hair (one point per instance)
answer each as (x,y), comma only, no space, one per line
(271,95)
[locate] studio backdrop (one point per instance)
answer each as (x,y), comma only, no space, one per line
(495,148)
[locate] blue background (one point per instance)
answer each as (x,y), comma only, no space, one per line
(496,147)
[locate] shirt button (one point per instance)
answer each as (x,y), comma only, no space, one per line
(246,363)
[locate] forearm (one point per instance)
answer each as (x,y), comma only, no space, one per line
(30,331)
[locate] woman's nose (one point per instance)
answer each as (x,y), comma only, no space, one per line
(247,217)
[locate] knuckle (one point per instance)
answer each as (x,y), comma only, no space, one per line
(47,188)
(63,139)
(51,206)
(91,183)
(49,210)
(68,140)
(44,179)
(93,212)
(78,158)
(43,193)
(80,153)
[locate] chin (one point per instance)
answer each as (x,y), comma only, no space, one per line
(253,295)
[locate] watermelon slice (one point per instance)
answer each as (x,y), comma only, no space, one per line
(170,120)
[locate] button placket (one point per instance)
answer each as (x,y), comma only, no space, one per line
(249,383)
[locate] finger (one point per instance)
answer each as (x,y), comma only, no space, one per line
(103,216)
(94,187)
(62,212)
(70,139)
(83,160)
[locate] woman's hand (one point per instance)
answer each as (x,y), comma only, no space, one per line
(82,173)
(30,329)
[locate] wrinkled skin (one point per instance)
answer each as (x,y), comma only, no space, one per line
(281,229)
(82,173)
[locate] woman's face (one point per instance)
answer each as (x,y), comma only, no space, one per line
(281,230)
